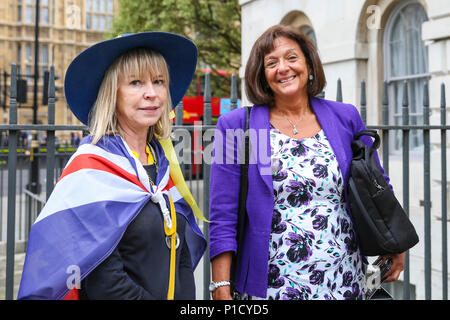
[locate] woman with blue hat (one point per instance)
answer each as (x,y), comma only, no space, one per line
(120,223)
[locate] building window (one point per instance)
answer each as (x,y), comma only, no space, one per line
(406,58)
(99,14)
(44,13)
(28,54)
(309,32)
(29,74)
(28,62)
(44,60)
(30,11)
(44,54)
(19,10)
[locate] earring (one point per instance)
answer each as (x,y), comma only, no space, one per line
(311,77)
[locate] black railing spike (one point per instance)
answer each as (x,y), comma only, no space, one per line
(51,96)
(51,84)
(363,93)
(50,183)
(405,100)
(405,104)
(363,102)
(13,95)
(426,105)
(233,93)
(179,113)
(385,94)
(385,104)
(443,102)
(339,91)
(426,96)
(13,89)
(207,92)
(207,100)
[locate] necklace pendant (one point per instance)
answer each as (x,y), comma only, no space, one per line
(294,131)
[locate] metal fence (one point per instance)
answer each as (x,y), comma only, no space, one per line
(19,206)
(22,205)
(406,128)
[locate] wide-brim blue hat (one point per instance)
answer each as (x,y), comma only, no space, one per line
(85,73)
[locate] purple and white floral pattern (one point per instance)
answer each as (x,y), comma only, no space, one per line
(313,250)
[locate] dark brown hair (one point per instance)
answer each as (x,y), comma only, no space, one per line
(256,86)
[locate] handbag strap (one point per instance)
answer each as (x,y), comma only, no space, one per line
(243,191)
(359,148)
(370,133)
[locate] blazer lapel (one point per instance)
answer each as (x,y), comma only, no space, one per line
(328,123)
(260,143)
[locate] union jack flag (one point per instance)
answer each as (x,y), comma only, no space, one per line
(101,190)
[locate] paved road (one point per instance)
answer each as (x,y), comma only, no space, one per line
(18,265)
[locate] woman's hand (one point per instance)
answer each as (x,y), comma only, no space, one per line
(222,293)
(220,267)
(398,263)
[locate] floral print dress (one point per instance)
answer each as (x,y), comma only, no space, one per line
(313,252)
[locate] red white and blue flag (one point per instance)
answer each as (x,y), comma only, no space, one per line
(101,190)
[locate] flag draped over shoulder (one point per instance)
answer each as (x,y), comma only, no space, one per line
(101,190)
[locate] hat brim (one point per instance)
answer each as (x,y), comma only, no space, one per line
(85,73)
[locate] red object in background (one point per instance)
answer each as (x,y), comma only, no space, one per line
(223,73)
(193,108)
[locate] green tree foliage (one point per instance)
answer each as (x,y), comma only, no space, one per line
(214,26)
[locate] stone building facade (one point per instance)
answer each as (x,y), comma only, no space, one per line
(66,28)
(377,41)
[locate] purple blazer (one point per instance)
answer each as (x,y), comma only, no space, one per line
(339,121)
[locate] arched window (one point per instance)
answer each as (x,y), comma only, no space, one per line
(300,20)
(309,32)
(406,59)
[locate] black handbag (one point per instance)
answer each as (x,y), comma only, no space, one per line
(381,224)
(242,210)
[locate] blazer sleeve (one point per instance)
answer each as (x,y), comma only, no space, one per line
(224,188)
(358,125)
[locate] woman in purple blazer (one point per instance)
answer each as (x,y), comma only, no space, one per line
(299,238)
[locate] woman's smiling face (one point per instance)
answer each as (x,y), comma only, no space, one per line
(286,69)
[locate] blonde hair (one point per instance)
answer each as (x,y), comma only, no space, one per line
(141,62)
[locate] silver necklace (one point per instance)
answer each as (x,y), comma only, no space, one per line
(294,125)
